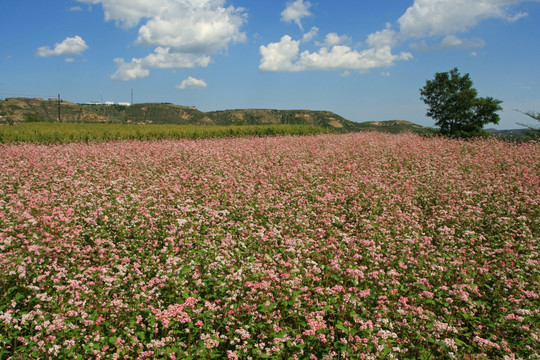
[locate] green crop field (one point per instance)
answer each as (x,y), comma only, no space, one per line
(47,133)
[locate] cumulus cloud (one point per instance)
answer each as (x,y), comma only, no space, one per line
(285,56)
(161,58)
(382,38)
(191,82)
(198,30)
(447,17)
(184,32)
(129,70)
(343,57)
(310,34)
(128,13)
(279,56)
(438,24)
(435,23)
(334,53)
(295,11)
(70,46)
(192,26)
(333,39)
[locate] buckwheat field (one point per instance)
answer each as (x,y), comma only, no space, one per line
(355,246)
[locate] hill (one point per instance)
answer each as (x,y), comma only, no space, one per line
(516,133)
(325,119)
(17,110)
(392,126)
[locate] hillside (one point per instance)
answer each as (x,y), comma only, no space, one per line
(516,133)
(25,109)
(392,126)
(17,110)
(264,116)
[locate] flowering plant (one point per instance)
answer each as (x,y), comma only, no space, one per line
(356,246)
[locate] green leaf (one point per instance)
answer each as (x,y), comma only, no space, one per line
(459,342)
(12,289)
(340,326)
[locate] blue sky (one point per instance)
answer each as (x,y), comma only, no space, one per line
(363,59)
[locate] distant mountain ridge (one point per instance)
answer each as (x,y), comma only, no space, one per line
(26,109)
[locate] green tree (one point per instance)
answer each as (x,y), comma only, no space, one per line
(455,106)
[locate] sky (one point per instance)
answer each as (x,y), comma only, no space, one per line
(362,59)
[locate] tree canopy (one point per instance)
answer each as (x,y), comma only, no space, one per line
(455,106)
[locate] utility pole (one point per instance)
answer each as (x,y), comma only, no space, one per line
(59,101)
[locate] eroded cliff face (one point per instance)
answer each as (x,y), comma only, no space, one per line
(25,109)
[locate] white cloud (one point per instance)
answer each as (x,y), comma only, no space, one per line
(70,46)
(75,8)
(343,57)
(446,17)
(425,19)
(191,82)
(382,38)
(333,39)
(189,26)
(334,53)
(161,58)
(295,11)
(128,13)
(69,60)
(279,56)
(453,42)
(194,29)
(285,56)
(184,32)
(129,71)
(310,34)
